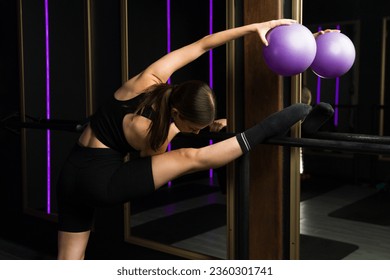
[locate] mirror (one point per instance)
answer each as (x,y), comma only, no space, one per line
(344,196)
(188,216)
(342,92)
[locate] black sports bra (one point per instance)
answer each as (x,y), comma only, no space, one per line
(107,123)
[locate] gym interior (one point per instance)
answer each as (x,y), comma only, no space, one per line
(60,59)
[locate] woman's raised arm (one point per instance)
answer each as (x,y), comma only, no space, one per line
(163,68)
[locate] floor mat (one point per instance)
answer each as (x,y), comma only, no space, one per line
(374,209)
(317,248)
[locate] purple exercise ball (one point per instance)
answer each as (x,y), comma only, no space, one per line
(335,55)
(291,49)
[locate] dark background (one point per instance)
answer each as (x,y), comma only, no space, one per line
(148,41)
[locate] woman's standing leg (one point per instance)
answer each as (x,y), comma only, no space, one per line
(72,245)
(75,215)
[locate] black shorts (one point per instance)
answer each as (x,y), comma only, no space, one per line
(98,177)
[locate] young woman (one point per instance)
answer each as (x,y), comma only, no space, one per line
(140,120)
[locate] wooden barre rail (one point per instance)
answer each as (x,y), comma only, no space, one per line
(357,143)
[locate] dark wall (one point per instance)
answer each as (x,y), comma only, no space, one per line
(10,172)
(106,49)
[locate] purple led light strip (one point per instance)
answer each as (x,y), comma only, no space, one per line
(318,99)
(169,30)
(168,51)
(337,97)
(48,138)
(336,103)
(211,79)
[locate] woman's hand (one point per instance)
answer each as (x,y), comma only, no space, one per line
(324,31)
(218,125)
(264,27)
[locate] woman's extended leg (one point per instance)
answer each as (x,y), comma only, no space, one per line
(170,165)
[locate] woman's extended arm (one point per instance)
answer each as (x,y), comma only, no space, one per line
(162,69)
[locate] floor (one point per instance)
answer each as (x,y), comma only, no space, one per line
(373,241)
(10,250)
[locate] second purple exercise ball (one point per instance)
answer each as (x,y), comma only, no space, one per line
(335,55)
(291,49)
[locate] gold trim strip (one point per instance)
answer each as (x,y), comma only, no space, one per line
(22,105)
(385,22)
(125,73)
(88,59)
(124,40)
(295,188)
(231,115)
(383,75)
(168,249)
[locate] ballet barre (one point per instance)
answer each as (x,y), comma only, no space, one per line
(349,142)
(356,143)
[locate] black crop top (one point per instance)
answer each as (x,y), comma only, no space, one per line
(107,123)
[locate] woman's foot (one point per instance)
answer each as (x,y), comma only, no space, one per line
(276,124)
(320,114)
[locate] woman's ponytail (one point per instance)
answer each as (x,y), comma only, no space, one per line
(157,97)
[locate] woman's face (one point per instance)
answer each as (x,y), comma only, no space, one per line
(186,126)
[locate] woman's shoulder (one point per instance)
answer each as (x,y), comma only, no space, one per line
(122,94)
(136,86)
(136,130)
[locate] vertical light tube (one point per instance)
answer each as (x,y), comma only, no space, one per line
(336,102)
(48,138)
(211,79)
(168,51)
(337,97)
(169,30)
(318,97)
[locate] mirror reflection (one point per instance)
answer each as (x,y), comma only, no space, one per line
(188,213)
(345,197)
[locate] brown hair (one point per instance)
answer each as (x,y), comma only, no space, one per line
(194,100)
(306,96)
